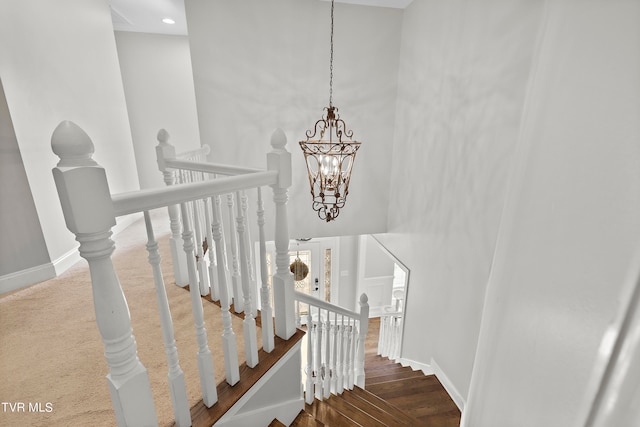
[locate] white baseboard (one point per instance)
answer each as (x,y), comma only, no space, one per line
(448,385)
(23,278)
(416,366)
(66,261)
(30,276)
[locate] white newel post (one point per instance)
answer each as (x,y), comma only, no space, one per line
(164,150)
(89,214)
(364,327)
(279,159)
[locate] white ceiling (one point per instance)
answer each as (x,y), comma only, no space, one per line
(146,16)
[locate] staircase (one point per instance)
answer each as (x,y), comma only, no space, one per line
(393,396)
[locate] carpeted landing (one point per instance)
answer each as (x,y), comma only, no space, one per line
(51,354)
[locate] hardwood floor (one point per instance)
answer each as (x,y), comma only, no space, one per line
(393,396)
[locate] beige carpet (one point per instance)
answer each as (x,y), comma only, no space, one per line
(51,353)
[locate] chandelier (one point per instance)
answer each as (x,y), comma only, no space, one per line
(329,153)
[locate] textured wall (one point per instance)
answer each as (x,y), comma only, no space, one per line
(570,228)
(158,84)
(260,65)
(22,245)
(464,67)
(58,61)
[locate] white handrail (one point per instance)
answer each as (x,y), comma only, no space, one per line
(144,200)
(216,168)
(308,299)
(205,149)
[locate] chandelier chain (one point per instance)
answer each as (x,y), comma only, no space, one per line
(331,61)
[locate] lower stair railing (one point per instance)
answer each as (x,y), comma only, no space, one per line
(390,337)
(335,345)
(90,212)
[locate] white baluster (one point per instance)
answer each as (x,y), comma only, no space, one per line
(279,159)
(236,284)
(349,352)
(309,393)
(88,211)
(249,323)
(327,358)
(213,267)
(217,213)
(341,356)
(164,151)
(318,355)
(201,264)
(205,362)
(177,386)
(229,346)
(266,312)
(334,356)
(249,255)
(364,327)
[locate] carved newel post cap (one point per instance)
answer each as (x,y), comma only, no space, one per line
(72,145)
(278,139)
(163,137)
(364,299)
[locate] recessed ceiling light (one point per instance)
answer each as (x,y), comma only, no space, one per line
(168,21)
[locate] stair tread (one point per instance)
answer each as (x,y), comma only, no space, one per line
(400,415)
(404,385)
(393,376)
(353,412)
(381,410)
(305,419)
(329,415)
(276,423)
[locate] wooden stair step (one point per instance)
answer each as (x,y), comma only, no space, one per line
(379,409)
(305,419)
(342,405)
(399,415)
(328,415)
(276,423)
(393,376)
(402,387)
(380,369)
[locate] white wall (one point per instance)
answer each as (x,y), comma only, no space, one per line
(464,67)
(58,62)
(158,84)
(261,65)
(22,245)
(571,225)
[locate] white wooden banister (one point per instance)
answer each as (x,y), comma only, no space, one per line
(335,346)
(213,168)
(90,211)
(197,153)
(149,199)
(89,214)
